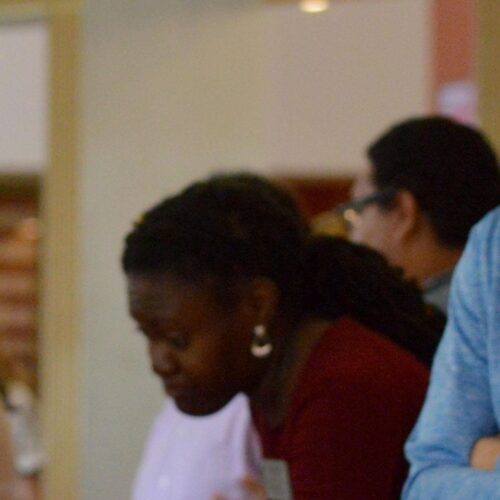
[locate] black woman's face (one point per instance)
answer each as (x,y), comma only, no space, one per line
(199,349)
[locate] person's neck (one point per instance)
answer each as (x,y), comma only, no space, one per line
(427,259)
(274,394)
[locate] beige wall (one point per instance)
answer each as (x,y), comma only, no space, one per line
(334,80)
(172,89)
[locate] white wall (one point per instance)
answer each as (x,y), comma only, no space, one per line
(171,90)
(24,97)
(336,79)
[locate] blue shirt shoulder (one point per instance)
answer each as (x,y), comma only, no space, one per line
(463,402)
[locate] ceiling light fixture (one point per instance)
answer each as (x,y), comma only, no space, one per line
(314,6)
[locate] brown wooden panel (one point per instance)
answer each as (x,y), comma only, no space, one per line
(18,301)
(318,194)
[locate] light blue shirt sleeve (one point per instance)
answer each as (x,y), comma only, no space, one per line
(464,393)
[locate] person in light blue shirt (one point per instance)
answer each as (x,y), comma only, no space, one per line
(454,449)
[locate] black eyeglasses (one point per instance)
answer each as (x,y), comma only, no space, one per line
(351,210)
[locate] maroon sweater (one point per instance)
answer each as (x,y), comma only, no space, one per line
(354,405)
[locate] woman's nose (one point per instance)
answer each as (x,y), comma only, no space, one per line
(163,362)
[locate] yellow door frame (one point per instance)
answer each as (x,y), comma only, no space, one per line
(59,308)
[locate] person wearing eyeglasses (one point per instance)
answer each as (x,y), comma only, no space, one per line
(428,181)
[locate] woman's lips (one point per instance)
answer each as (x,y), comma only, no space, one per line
(174,389)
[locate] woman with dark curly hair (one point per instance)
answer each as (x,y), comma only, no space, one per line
(234,294)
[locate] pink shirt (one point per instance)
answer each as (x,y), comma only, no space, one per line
(190,458)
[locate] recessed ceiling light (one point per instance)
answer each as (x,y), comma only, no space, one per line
(314,6)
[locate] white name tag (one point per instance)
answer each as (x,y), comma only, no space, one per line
(277,480)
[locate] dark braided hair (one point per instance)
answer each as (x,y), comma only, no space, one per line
(235,227)
(356,280)
(231,227)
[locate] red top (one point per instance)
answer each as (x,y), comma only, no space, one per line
(354,405)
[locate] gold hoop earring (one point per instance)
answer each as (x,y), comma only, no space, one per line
(261,344)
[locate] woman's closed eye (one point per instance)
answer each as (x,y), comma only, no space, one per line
(177,339)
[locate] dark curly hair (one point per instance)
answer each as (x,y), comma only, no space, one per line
(450,168)
(235,227)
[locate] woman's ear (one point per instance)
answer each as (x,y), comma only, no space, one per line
(260,300)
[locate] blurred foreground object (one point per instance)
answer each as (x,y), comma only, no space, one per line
(22,415)
(7,472)
(329,223)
